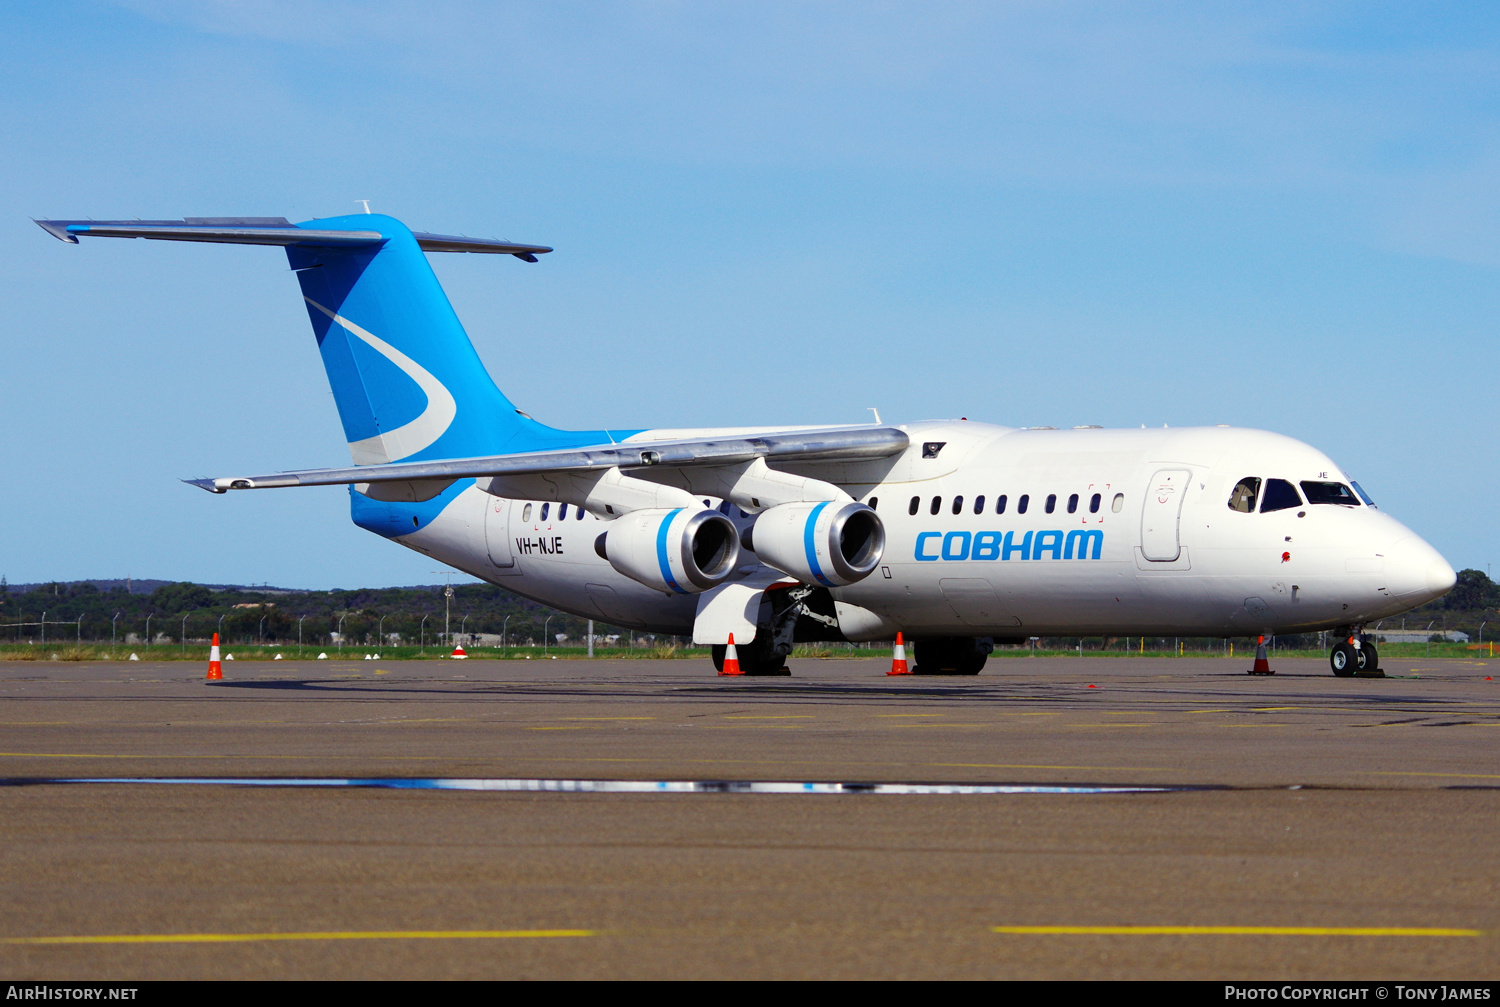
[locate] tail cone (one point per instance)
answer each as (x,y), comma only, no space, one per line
(215,669)
(731,659)
(898,658)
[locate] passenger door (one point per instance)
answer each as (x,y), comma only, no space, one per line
(1161,513)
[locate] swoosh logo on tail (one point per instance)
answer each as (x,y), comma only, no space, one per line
(422,432)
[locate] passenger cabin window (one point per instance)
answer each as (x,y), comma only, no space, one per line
(958,505)
(562,512)
(1073,504)
(979,504)
(580,512)
(1118,503)
(1329,493)
(544,510)
(937,505)
(1051,502)
(1000,504)
(1022,503)
(1094,504)
(526,513)
(915,503)
(1244,495)
(1279,495)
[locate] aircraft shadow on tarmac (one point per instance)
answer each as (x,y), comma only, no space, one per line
(972,692)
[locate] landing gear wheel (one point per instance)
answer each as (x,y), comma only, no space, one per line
(756,658)
(949,656)
(1369,659)
(1344,659)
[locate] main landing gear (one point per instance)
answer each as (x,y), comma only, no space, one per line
(1354,655)
(757,657)
(950,655)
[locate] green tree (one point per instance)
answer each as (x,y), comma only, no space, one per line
(175,599)
(1474,590)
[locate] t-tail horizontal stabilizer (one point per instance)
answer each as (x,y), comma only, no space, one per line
(274,231)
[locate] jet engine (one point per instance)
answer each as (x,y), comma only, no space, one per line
(827,543)
(678,551)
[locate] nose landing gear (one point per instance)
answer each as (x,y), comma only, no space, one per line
(1355,655)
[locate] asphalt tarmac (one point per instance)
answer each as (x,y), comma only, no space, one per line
(1320,828)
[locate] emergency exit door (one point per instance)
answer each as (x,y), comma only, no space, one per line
(497,532)
(1161,515)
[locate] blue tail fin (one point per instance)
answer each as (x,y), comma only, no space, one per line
(406,380)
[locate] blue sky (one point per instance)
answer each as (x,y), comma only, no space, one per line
(1283,216)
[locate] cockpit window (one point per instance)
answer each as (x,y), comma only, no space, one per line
(1279,495)
(1362,494)
(1244,495)
(1329,493)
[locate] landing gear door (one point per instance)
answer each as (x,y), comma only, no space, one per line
(497,532)
(1160,515)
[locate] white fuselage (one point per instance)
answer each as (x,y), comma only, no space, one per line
(1162,552)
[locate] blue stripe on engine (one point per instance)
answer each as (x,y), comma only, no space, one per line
(811,547)
(661,551)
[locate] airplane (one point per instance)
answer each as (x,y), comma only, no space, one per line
(961,535)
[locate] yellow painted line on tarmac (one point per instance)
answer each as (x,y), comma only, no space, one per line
(1030,765)
(71,755)
(1457,776)
(608,718)
(1272,709)
(1243,931)
(331,935)
(399,721)
(751,716)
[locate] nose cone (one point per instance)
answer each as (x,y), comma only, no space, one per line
(1416,572)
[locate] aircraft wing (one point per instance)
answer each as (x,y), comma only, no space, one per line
(828,444)
(272,231)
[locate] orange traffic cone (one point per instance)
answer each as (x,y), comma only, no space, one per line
(1262,666)
(215,670)
(898,658)
(458,654)
(731,659)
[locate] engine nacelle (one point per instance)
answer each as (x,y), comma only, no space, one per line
(827,543)
(678,551)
